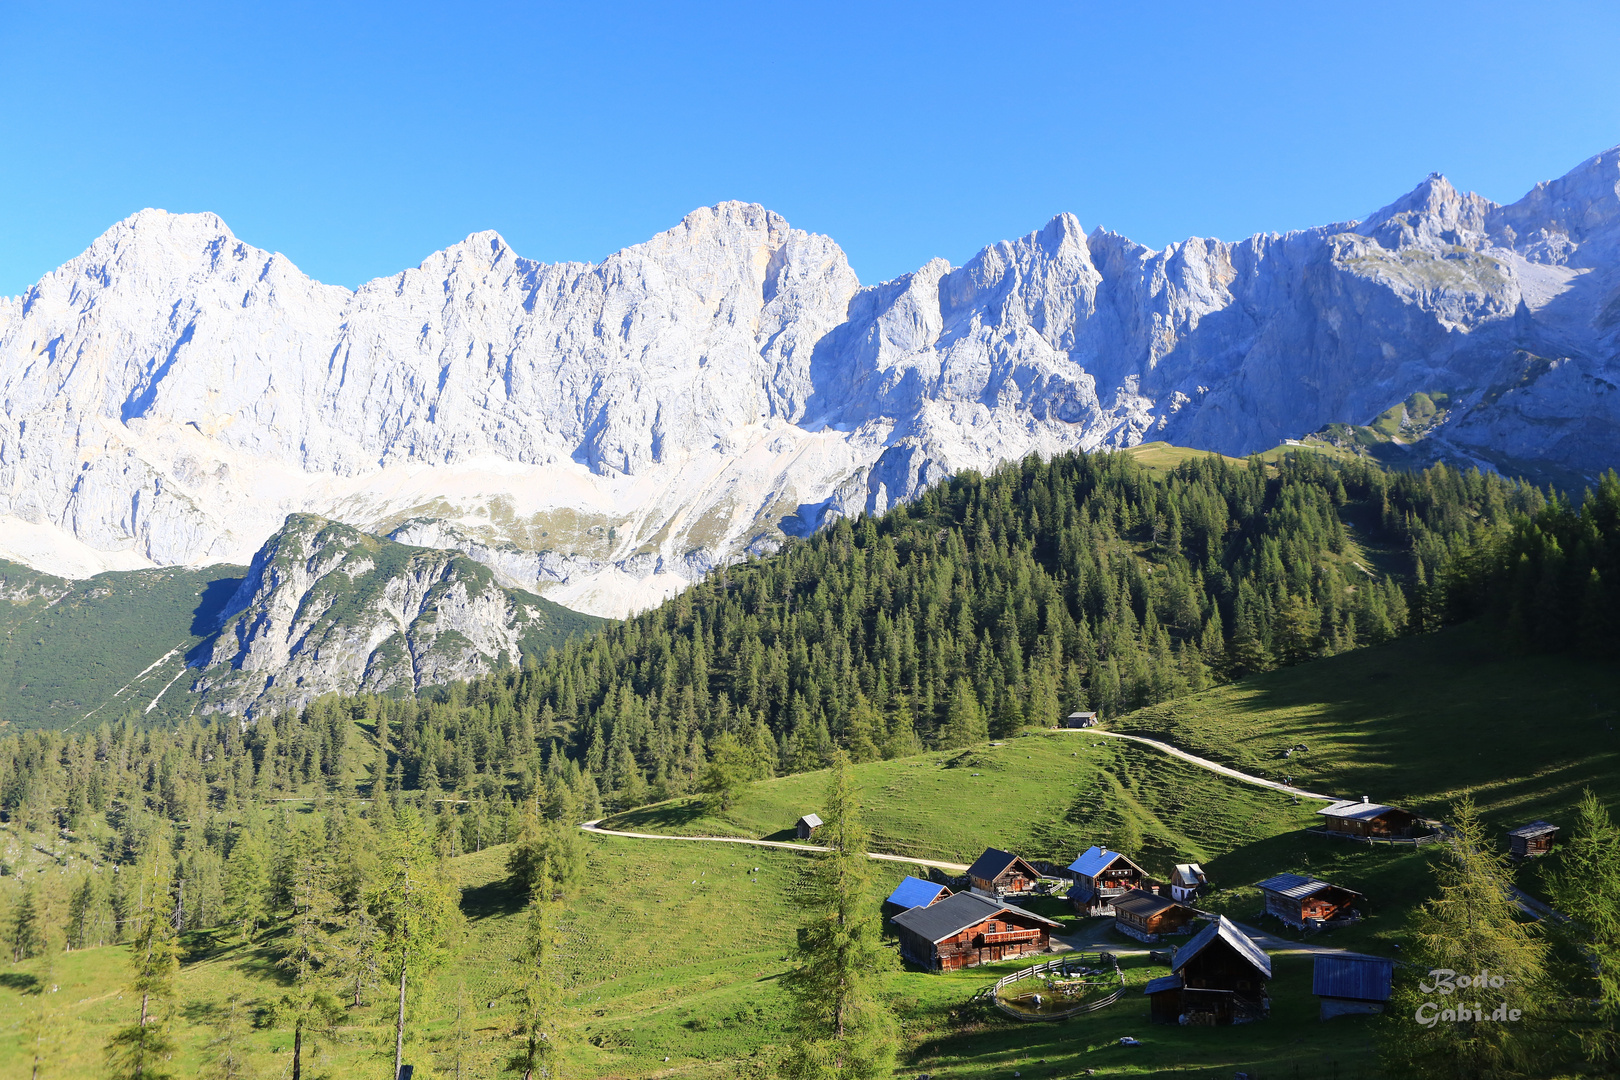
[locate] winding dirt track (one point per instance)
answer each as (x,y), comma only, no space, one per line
(595,827)
(1205,763)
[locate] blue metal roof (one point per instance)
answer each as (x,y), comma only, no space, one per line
(1362,978)
(1094,861)
(915,892)
(1163,982)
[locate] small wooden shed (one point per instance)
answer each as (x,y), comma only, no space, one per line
(1000,873)
(806,826)
(1532,840)
(1305,902)
(1080,720)
(1219,977)
(1350,983)
(1145,916)
(967,929)
(1368,820)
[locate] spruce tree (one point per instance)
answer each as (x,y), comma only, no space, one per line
(844,1031)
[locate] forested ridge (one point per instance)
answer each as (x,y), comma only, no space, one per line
(989,603)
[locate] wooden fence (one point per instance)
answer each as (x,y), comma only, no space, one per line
(1414,841)
(1062,964)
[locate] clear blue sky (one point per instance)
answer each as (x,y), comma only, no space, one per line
(356,138)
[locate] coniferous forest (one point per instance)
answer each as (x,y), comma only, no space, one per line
(988,604)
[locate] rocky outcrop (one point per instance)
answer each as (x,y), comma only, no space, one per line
(325,607)
(606,432)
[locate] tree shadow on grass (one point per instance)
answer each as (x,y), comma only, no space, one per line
(660,817)
(491,900)
(17,980)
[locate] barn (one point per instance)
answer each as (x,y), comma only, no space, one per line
(806,826)
(1144,915)
(1532,840)
(1099,876)
(1350,983)
(967,929)
(1305,902)
(1219,977)
(913,892)
(1368,820)
(1000,873)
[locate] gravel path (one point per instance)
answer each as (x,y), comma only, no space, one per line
(595,827)
(1205,763)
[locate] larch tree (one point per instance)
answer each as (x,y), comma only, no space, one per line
(539,988)
(844,1031)
(416,911)
(141,1051)
(1585,887)
(1470,932)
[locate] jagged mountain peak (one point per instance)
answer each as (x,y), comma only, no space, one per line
(609,431)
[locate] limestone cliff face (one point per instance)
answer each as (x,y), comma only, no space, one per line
(607,432)
(327,608)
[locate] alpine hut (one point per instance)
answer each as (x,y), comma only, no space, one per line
(967,929)
(1532,840)
(1186,879)
(1099,876)
(806,826)
(1145,916)
(1365,820)
(1080,720)
(999,873)
(1350,983)
(1219,977)
(914,892)
(1306,902)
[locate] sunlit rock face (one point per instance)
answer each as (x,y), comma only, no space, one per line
(607,433)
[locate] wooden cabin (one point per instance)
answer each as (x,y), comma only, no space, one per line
(1532,840)
(999,873)
(968,929)
(1144,915)
(1304,902)
(806,826)
(1219,977)
(1366,820)
(1099,876)
(1349,983)
(1186,879)
(1080,720)
(913,892)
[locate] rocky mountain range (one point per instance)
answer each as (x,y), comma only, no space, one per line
(605,433)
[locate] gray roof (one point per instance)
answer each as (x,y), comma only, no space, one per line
(1222,928)
(993,863)
(956,913)
(1080,894)
(1351,975)
(1187,873)
(1359,811)
(1163,982)
(1533,830)
(1143,903)
(1298,887)
(810,820)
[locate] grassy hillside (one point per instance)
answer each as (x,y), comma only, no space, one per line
(1046,795)
(677,951)
(73,648)
(1418,722)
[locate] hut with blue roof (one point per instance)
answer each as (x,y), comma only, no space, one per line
(913,892)
(1100,877)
